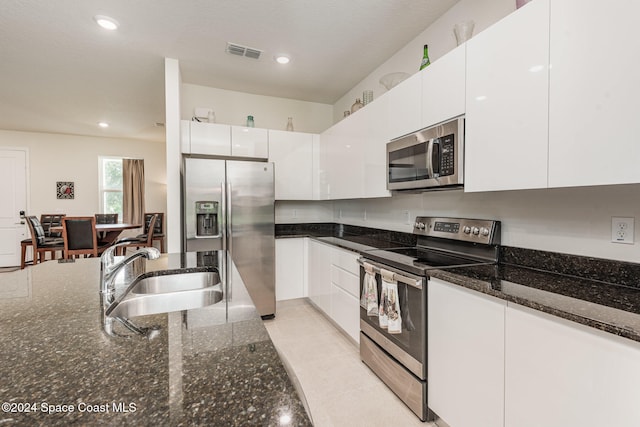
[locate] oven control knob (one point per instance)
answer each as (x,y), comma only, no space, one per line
(475,231)
(484,231)
(466,230)
(420,225)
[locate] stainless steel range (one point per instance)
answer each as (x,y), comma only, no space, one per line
(393,312)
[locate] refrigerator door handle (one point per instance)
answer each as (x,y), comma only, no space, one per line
(222,222)
(229,227)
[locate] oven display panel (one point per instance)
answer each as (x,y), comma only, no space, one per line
(447,227)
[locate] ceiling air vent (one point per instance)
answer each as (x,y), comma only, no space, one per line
(248,52)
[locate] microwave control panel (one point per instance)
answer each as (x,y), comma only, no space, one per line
(447,155)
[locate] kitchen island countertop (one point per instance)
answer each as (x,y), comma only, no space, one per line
(210,366)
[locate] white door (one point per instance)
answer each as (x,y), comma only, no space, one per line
(13,176)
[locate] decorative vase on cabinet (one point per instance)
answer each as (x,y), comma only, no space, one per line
(356,105)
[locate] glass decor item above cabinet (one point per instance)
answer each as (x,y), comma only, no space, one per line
(356,105)
(425,57)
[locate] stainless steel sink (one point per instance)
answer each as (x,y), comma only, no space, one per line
(155,303)
(176,282)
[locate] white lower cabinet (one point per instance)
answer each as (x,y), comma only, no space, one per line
(319,275)
(466,356)
(563,374)
(345,311)
(291,264)
(345,288)
(494,364)
(333,281)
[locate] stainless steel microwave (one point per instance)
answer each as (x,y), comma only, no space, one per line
(430,159)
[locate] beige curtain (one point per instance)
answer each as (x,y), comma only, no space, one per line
(133,191)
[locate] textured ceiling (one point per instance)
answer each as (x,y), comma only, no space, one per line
(61,73)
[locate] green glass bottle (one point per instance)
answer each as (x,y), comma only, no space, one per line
(425,57)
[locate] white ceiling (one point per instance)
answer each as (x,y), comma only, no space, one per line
(61,73)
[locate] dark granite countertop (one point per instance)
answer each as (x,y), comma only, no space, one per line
(210,366)
(605,306)
(603,294)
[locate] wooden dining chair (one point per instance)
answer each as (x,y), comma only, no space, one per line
(108,218)
(51,220)
(158,230)
(105,218)
(79,234)
(144,240)
(40,243)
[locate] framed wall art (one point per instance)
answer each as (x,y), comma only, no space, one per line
(65,190)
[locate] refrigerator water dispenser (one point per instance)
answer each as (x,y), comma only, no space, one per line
(206,218)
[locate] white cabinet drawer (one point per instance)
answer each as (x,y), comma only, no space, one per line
(345,311)
(344,279)
(346,260)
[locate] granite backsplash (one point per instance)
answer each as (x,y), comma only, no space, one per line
(620,273)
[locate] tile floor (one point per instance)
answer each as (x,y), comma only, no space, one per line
(340,390)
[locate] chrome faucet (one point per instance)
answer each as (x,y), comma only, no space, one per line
(109,268)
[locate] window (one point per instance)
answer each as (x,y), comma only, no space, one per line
(110,169)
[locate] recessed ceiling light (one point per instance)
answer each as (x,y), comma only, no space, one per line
(103,125)
(106,22)
(282,59)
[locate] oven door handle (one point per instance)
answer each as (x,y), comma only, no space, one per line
(417,283)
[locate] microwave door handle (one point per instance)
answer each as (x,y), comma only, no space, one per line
(435,157)
(429,161)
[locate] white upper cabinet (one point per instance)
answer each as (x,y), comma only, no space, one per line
(249,142)
(507,101)
(209,138)
(292,155)
(353,154)
(443,88)
(593,113)
(223,140)
(375,148)
(341,158)
(404,107)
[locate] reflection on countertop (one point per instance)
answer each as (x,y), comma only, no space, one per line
(213,365)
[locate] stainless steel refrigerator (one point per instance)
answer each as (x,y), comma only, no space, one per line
(229,204)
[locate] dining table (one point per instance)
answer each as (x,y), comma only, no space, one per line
(108,232)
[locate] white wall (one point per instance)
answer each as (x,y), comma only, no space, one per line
(173,219)
(269,112)
(440,38)
(57,157)
(294,212)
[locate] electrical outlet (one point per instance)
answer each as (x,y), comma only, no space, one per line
(406,217)
(622,230)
